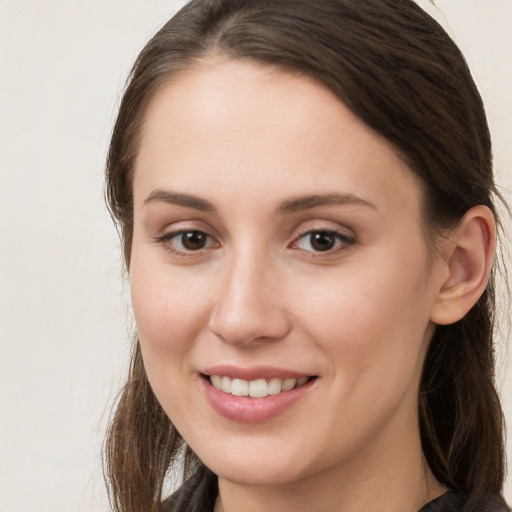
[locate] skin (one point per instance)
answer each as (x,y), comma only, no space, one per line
(247,140)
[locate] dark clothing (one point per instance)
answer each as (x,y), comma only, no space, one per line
(454,502)
(200,492)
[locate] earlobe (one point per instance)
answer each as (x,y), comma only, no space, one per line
(469,259)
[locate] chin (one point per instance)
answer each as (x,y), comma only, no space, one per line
(258,462)
(257,473)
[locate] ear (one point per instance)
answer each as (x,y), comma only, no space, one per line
(467,261)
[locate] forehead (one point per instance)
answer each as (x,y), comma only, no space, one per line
(251,127)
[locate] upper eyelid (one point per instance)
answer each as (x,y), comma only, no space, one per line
(346,233)
(184,227)
(338,234)
(323,230)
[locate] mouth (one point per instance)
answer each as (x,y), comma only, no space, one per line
(257,388)
(254,395)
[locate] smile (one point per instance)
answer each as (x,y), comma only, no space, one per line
(259,399)
(259,388)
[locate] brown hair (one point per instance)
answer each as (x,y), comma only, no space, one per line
(399,72)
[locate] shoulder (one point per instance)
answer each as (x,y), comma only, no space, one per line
(455,502)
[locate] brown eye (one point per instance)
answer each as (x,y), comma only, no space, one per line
(193,240)
(322,241)
(183,243)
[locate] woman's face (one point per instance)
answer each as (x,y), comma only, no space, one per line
(278,244)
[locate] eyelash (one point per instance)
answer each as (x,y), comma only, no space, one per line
(342,240)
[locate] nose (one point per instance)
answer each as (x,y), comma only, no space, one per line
(248,306)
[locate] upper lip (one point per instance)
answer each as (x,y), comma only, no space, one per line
(253,373)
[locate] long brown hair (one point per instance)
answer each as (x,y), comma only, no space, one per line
(400,73)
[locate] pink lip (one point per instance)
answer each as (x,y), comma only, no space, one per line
(253,373)
(243,409)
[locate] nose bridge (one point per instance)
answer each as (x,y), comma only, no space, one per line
(248,305)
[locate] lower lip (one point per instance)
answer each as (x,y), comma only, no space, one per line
(243,409)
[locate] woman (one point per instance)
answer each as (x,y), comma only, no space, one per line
(305,196)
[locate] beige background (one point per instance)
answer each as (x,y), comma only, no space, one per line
(63,305)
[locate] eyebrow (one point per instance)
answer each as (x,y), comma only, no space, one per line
(317,200)
(292,205)
(188,201)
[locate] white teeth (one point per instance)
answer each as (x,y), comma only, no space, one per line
(226,384)
(259,388)
(216,381)
(239,387)
(289,384)
(274,386)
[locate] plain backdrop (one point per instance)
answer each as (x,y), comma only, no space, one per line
(64,308)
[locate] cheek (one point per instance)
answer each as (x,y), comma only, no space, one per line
(373,317)
(167,313)
(168,309)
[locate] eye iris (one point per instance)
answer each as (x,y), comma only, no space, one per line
(322,241)
(193,240)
